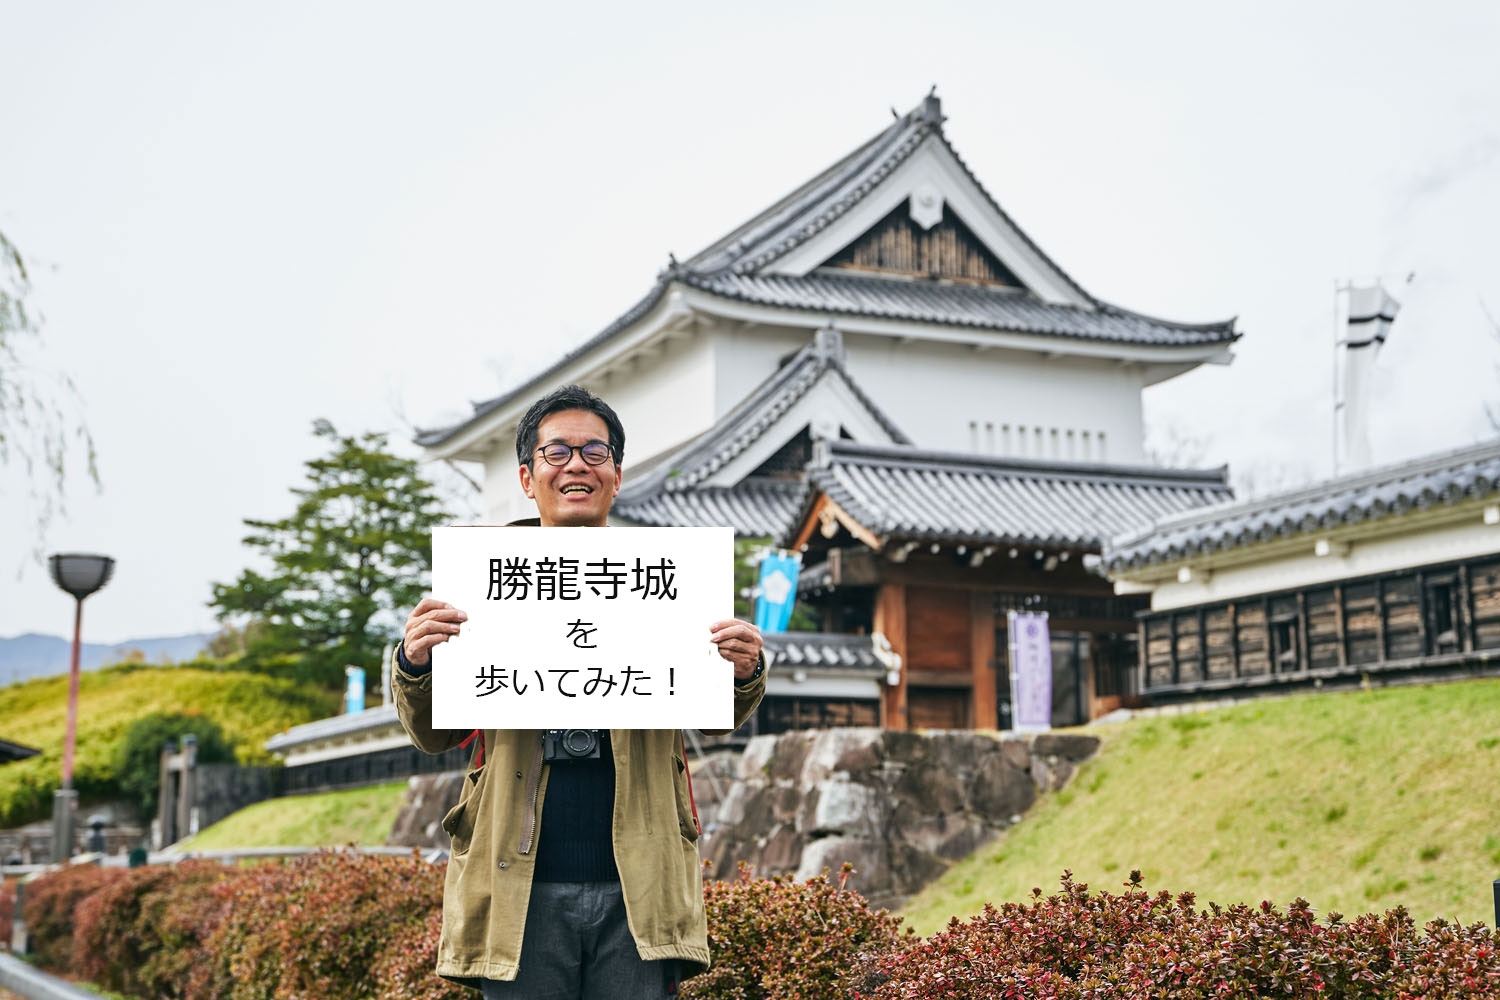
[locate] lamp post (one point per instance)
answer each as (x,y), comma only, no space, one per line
(80,575)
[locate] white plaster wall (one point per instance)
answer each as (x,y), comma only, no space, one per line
(661,402)
(997,402)
(745,356)
(1466,539)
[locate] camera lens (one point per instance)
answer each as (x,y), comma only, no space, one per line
(578,742)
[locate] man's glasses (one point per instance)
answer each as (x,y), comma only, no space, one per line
(557,453)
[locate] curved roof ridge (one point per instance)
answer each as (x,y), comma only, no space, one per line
(428,438)
(960,460)
(1472,470)
(951,304)
(1012,223)
(723,252)
(749,420)
(1211,326)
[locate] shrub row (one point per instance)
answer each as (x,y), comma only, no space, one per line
(333,925)
(1077,944)
(339,925)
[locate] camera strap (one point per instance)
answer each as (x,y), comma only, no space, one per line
(479,751)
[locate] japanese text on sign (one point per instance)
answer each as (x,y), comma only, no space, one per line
(583,627)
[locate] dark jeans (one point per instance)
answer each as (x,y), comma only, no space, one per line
(577,946)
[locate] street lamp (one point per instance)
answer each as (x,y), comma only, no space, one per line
(80,575)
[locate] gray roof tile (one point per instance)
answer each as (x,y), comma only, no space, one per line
(906,493)
(754,508)
(986,307)
(734,267)
(824,650)
(1388,491)
(672,494)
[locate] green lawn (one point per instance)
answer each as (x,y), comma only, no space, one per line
(1357,802)
(362,816)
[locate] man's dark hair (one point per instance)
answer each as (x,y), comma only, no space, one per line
(569,397)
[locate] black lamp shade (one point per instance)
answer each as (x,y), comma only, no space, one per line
(79,574)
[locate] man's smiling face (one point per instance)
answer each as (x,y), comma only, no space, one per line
(575,493)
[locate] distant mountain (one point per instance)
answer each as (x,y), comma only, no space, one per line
(32,655)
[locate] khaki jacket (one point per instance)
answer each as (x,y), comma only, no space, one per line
(494,829)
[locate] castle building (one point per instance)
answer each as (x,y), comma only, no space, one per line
(883,371)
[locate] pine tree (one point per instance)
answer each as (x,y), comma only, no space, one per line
(351,559)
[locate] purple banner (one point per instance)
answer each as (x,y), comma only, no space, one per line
(1030,670)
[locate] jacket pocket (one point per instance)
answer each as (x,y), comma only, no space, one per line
(687,825)
(458,823)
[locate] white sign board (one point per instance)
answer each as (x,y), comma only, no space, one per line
(583,628)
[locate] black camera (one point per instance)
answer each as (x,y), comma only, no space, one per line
(570,744)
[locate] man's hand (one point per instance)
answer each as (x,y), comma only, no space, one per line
(430,623)
(739,643)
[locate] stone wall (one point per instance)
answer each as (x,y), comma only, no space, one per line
(900,806)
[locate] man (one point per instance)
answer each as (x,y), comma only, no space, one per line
(578,878)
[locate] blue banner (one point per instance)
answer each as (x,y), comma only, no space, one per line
(776,593)
(354,690)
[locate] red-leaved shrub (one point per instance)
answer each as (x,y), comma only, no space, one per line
(1135,946)
(779,939)
(48,904)
(404,971)
(315,927)
(341,925)
(7,911)
(143,934)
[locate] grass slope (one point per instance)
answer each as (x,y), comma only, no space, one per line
(251,708)
(358,815)
(1357,802)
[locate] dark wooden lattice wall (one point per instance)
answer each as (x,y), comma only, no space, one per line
(897,245)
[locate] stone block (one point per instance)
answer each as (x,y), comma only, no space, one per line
(932,786)
(755,761)
(847,808)
(868,857)
(1072,747)
(834,750)
(1017,752)
(428,799)
(782,852)
(911,869)
(949,836)
(791,752)
(998,790)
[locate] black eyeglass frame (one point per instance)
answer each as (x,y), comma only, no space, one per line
(609,453)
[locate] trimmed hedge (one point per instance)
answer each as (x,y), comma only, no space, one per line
(779,939)
(1135,946)
(315,927)
(143,934)
(49,904)
(340,925)
(7,911)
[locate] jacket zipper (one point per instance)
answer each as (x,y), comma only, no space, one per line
(533,789)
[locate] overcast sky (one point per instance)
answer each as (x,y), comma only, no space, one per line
(248,217)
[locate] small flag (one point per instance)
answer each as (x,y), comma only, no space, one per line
(776,594)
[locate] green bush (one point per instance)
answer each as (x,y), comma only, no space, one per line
(780,939)
(138,761)
(251,708)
